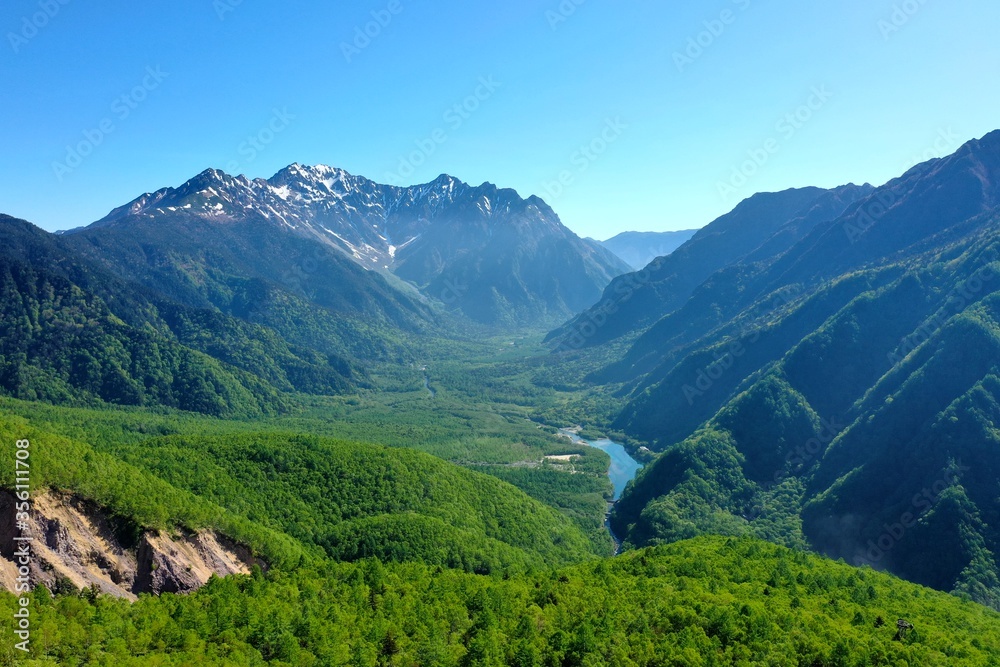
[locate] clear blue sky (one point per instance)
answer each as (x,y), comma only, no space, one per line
(678,128)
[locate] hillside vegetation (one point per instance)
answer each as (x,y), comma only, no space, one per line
(842,395)
(314,496)
(710,601)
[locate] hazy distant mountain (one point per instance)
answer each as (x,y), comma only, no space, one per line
(839,391)
(635,301)
(483,251)
(640,248)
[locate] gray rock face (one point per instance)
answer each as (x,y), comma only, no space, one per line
(485,251)
(76,547)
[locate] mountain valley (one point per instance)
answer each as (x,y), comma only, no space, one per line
(361,393)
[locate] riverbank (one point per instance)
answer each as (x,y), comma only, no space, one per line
(622,470)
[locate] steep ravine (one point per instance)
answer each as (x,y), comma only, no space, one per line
(75,543)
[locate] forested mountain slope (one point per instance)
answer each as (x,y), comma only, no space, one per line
(709,601)
(767,223)
(75,332)
(641,248)
(289,498)
(853,414)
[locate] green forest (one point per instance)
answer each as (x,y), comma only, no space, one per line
(379,553)
(394,482)
(708,601)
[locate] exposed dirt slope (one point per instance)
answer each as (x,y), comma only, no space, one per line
(75,543)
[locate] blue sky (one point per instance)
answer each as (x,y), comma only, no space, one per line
(639,115)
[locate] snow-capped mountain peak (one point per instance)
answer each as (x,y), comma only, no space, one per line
(422,233)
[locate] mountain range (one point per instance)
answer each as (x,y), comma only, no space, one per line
(820,368)
(767,223)
(222,294)
(484,252)
(638,249)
